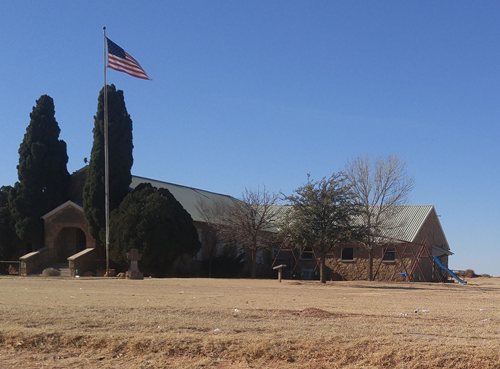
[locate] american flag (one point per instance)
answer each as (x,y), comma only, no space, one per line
(120,60)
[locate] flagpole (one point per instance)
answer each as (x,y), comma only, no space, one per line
(106,155)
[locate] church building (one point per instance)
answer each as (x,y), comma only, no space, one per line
(406,251)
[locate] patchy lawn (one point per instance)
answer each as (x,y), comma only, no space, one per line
(218,323)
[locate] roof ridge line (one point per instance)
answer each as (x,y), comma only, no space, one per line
(184,186)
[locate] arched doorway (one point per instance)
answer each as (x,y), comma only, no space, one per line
(69,241)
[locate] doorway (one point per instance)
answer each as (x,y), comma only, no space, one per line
(69,241)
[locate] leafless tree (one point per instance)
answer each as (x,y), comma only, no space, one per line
(379,186)
(250,223)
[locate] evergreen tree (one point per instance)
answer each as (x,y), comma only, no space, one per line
(320,217)
(155,223)
(120,161)
(42,172)
(9,242)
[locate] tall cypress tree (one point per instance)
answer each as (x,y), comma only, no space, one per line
(120,161)
(43,176)
(9,242)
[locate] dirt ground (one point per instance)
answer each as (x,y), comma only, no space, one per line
(210,323)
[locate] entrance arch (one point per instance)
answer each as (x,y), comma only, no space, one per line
(69,241)
(66,232)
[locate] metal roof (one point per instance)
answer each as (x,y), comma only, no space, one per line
(189,197)
(405,222)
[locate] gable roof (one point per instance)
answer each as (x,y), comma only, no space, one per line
(405,222)
(403,225)
(64,205)
(189,197)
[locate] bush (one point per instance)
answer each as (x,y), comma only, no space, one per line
(229,264)
(51,272)
(184,266)
(154,222)
(468,273)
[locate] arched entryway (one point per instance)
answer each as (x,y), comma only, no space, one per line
(69,241)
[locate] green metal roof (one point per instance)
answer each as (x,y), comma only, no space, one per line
(402,225)
(405,222)
(189,197)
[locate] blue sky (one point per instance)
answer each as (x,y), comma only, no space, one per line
(247,94)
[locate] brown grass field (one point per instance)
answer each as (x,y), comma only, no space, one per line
(208,323)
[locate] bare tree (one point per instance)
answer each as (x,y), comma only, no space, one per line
(320,217)
(251,223)
(379,187)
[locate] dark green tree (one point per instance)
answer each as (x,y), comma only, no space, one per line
(120,161)
(9,242)
(154,222)
(42,172)
(320,217)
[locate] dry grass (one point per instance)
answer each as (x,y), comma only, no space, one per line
(203,323)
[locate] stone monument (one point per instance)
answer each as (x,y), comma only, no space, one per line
(134,272)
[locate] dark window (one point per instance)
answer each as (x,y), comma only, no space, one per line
(307,273)
(389,254)
(347,253)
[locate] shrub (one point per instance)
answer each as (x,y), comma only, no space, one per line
(51,272)
(468,273)
(229,264)
(154,222)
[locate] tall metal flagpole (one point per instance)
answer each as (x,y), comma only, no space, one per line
(106,155)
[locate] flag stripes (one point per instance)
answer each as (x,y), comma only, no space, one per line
(120,60)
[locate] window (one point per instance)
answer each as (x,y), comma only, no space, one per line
(347,253)
(307,273)
(389,254)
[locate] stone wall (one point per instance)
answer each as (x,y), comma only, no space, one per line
(393,270)
(83,262)
(33,262)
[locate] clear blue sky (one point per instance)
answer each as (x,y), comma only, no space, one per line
(252,93)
